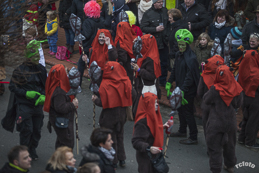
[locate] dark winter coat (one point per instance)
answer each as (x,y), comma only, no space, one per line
(51,170)
(106,17)
(249,28)
(250,8)
(203,53)
(173,45)
(64,13)
(141,140)
(8,169)
(93,154)
(89,30)
(186,72)
(198,16)
(78,9)
(229,8)
(151,19)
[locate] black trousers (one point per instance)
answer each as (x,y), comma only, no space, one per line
(81,66)
(186,117)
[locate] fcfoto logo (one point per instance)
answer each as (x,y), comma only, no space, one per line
(242,164)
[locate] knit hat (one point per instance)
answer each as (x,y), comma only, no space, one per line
(154,1)
(184,35)
(236,33)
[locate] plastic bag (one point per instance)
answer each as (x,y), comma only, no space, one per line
(175,100)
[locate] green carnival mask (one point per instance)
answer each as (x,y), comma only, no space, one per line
(182,46)
(32,51)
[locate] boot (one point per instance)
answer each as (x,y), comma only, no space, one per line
(71,48)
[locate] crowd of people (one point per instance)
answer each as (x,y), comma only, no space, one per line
(132,49)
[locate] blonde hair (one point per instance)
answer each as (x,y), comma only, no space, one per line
(202,35)
(175,13)
(110,7)
(52,15)
(254,35)
(58,159)
(132,18)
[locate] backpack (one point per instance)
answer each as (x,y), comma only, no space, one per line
(63,53)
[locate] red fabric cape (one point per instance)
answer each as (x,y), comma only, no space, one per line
(226,84)
(249,73)
(209,71)
(146,109)
(115,88)
(55,79)
(125,36)
(100,52)
(137,30)
(149,49)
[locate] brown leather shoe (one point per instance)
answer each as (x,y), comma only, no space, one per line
(188,141)
(178,134)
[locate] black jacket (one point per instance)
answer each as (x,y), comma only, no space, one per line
(186,72)
(249,29)
(8,169)
(77,8)
(173,45)
(89,30)
(64,13)
(106,17)
(51,170)
(151,19)
(197,16)
(91,153)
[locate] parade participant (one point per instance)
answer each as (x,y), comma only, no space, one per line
(147,68)
(249,80)
(186,75)
(90,27)
(124,42)
(51,30)
(132,22)
(115,95)
(60,105)
(100,150)
(148,132)
(206,81)
(19,160)
(62,161)
(28,85)
(222,98)
(102,48)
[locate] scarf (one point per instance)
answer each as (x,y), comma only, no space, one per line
(237,42)
(144,6)
(220,25)
(109,154)
(221,5)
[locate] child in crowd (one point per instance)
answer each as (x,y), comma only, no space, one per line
(30,18)
(51,29)
(89,168)
(30,35)
(203,47)
(132,22)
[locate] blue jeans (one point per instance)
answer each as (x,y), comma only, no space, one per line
(70,35)
(163,53)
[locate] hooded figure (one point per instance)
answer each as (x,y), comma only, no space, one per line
(223,98)
(124,42)
(206,81)
(148,131)
(59,104)
(249,80)
(114,96)
(185,73)
(147,68)
(27,88)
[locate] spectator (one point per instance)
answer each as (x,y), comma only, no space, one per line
(132,22)
(221,26)
(89,168)
(175,18)
(59,104)
(143,6)
(217,5)
(19,160)
(106,14)
(203,48)
(240,5)
(64,14)
(196,16)
(51,30)
(148,132)
(155,22)
(90,27)
(251,27)
(251,9)
(62,161)
(133,6)
(236,42)
(100,150)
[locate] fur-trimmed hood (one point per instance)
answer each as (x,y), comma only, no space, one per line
(88,153)
(230,23)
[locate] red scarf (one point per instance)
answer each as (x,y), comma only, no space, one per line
(100,52)
(55,79)
(249,72)
(149,49)
(115,88)
(146,109)
(226,84)
(125,36)
(209,71)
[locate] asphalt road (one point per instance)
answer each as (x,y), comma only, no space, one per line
(181,158)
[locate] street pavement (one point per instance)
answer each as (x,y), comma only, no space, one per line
(181,158)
